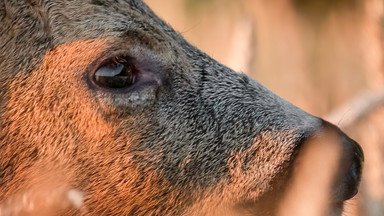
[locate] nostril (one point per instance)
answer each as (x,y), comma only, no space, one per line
(352,149)
(358,150)
(353,177)
(350,170)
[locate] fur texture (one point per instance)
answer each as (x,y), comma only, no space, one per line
(200,138)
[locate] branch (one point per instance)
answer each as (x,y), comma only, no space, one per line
(357,109)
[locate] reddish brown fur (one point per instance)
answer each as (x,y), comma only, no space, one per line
(60,150)
(190,137)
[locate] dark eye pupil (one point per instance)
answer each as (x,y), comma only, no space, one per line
(115,75)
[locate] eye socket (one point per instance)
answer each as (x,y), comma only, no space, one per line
(116,74)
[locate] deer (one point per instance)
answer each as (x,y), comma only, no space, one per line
(106,110)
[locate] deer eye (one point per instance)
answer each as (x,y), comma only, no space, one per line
(116,74)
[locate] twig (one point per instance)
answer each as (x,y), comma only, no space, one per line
(357,109)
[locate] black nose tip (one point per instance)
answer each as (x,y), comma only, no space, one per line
(350,170)
(356,148)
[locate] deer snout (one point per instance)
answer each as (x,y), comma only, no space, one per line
(327,172)
(348,179)
(349,161)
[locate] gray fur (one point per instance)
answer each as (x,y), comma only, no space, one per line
(188,129)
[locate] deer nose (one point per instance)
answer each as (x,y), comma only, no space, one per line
(348,179)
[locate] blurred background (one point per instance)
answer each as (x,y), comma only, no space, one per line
(324,56)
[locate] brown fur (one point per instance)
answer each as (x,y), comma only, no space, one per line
(200,139)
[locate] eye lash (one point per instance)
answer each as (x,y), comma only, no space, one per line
(120,60)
